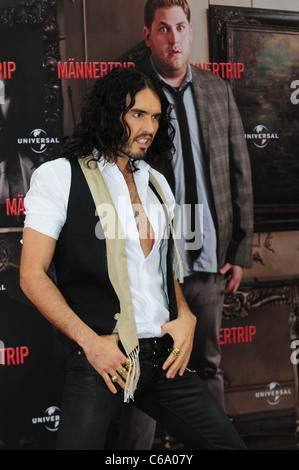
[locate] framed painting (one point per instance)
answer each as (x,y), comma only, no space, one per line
(266,44)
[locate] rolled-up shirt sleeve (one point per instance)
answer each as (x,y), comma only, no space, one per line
(47,199)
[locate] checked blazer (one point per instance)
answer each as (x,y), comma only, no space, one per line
(224,147)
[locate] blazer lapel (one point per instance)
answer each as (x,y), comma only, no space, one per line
(202,114)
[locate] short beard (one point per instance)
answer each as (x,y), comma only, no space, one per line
(133,155)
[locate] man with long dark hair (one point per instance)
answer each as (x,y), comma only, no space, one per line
(104,216)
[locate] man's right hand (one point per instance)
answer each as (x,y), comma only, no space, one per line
(107,359)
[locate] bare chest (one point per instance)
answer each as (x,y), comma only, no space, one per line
(145,231)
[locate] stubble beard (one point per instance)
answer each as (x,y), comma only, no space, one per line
(138,155)
(134,155)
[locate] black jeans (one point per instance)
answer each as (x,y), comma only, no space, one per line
(183,406)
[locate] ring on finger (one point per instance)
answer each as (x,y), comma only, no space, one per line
(123,371)
(114,378)
(176,351)
(127,363)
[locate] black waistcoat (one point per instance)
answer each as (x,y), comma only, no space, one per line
(81,261)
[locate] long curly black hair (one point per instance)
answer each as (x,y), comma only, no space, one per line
(103,130)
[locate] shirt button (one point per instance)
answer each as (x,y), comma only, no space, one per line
(117,316)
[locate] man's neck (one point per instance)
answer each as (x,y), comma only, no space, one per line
(123,164)
(175,81)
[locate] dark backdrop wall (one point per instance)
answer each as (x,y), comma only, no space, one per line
(31,360)
(45,42)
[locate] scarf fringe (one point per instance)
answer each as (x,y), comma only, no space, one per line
(133,375)
(178,265)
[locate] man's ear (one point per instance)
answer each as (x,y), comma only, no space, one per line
(146,35)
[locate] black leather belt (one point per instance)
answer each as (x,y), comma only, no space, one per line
(161,344)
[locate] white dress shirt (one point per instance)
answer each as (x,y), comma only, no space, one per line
(46,207)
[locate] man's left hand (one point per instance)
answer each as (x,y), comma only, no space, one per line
(182,332)
(235,278)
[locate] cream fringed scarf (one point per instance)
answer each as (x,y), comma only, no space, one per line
(118,270)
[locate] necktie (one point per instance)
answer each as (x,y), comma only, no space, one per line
(4,186)
(191,220)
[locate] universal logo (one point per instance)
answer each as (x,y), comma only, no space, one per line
(50,419)
(261,136)
(38,140)
(273,393)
